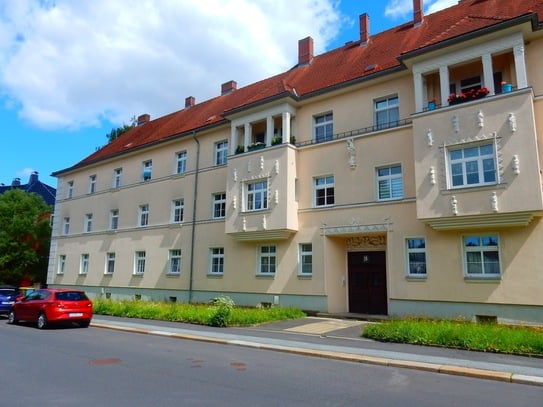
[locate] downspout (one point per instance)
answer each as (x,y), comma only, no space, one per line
(193,235)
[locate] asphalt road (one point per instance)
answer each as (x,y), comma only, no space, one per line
(93,366)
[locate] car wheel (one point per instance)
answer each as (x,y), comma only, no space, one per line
(42,321)
(84,324)
(12,319)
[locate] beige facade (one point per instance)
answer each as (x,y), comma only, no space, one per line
(358,198)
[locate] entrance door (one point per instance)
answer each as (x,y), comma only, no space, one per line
(367,283)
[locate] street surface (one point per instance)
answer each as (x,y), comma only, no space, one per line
(93,366)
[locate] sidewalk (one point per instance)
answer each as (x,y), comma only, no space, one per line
(340,339)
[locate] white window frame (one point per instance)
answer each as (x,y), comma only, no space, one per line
(483,247)
(70,189)
(114,219)
(267,260)
(147,170)
(174,262)
(414,268)
(305,259)
(66,225)
(110,263)
(88,223)
(143,215)
(216,260)
(178,209)
(386,180)
(219,205)
(84,264)
(388,108)
(61,267)
(489,155)
(256,195)
(117,177)
(221,152)
(181,162)
(323,127)
(139,262)
(324,184)
(92,184)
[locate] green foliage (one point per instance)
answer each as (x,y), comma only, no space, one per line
(24,236)
(213,314)
(116,133)
(459,334)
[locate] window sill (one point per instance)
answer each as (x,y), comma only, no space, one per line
(487,187)
(483,279)
(414,277)
(215,275)
(173,274)
(270,276)
(305,276)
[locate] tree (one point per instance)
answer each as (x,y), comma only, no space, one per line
(116,133)
(25,237)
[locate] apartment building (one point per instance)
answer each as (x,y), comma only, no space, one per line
(397,175)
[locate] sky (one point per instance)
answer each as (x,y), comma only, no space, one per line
(71,71)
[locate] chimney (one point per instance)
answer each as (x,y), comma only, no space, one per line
(143,118)
(16,182)
(305,51)
(417,12)
(190,101)
(364,28)
(33,177)
(228,87)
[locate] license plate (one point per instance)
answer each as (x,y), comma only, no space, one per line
(8,302)
(75,314)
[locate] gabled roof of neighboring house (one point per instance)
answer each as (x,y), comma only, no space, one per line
(355,61)
(34,185)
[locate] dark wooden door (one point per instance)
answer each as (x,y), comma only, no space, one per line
(367,283)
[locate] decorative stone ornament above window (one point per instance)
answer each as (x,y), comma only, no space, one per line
(512,122)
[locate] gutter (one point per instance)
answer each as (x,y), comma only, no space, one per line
(193,223)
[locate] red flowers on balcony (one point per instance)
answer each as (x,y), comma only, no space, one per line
(472,94)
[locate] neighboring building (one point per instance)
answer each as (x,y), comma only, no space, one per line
(353,182)
(34,185)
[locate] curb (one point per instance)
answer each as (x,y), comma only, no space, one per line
(347,357)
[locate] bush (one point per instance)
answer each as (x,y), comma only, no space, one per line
(222,311)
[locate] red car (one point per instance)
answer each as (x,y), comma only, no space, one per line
(49,305)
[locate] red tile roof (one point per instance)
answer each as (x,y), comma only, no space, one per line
(334,68)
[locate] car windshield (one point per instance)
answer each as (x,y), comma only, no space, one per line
(7,291)
(71,296)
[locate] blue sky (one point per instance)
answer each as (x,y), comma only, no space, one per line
(72,71)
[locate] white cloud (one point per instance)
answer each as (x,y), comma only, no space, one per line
(67,64)
(401,8)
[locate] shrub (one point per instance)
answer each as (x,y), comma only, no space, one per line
(222,311)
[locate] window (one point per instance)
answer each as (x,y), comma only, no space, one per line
(221,152)
(92,184)
(181,162)
(217,260)
(266,260)
(219,205)
(114,219)
(324,127)
(139,262)
(389,182)
(387,112)
(70,189)
(306,259)
(472,166)
(110,263)
(147,170)
(66,226)
(84,266)
(177,210)
(416,257)
(481,255)
(257,196)
(324,191)
(61,264)
(88,223)
(175,262)
(143,215)
(117,177)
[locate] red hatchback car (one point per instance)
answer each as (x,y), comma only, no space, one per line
(49,305)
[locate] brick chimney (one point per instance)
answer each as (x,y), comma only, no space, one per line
(143,118)
(228,87)
(33,177)
(418,13)
(190,101)
(16,182)
(305,51)
(364,28)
